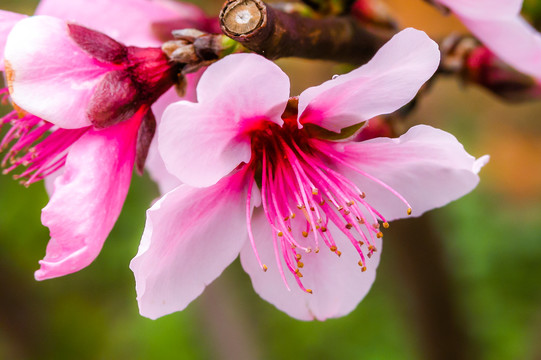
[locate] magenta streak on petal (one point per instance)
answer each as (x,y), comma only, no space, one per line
(35,146)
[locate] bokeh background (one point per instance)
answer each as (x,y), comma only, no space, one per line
(463,282)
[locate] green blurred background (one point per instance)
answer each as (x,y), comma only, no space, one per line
(462,282)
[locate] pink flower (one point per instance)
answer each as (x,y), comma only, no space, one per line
(263,178)
(498,24)
(134,22)
(98,93)
(83,103)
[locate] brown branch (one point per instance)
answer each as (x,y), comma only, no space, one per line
(275,34)
(426,289)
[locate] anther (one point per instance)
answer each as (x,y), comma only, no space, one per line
(323,229)
(372,248)
(339,253)
(362,195)
(280,233)
(300,264)
(305,234)
(265,268)
(363,269)
(347,212)
(309,291)
(349,226)
(386,225)
(298,273)
(300,207)
(317,250)
(360,263)
(333,248)
(314,191)
(298,256)
(350,203)
(293,215)
(409,211)
(379,235)
(322,202)
(361,243)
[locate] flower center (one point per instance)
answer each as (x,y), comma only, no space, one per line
(303,196)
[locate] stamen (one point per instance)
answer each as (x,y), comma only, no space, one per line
(376,180)
(295,172)
(249,222)
(41,151)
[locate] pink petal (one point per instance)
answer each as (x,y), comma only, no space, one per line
(158,172)
(51,77)
(488,9)
(386,83)
(338,284)
(154,164)
(88,198)
(427,166)
(128,21)
(7,21)
(201,143)
(511,38)
(191,236)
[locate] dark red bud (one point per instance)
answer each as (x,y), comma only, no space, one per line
(114,100)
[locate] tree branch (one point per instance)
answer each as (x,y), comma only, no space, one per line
(275,34)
